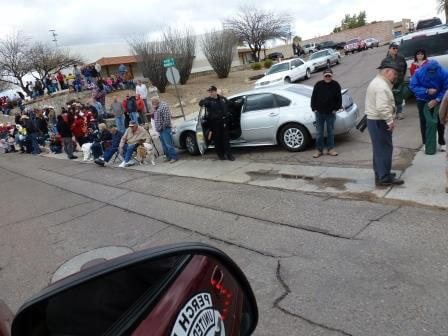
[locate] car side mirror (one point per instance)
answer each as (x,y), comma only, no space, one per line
(177,290)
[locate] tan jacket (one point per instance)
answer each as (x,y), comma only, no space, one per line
(380,103)
(131,138)
(443,112)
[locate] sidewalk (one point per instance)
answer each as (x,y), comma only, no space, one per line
(424,180)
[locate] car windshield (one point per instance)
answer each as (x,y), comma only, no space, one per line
(317,55)
(434,45)
(301,90)
(278,68)
(352,41)
(428,23)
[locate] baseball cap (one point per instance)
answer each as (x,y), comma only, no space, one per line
(328,72)
(393,45)
(212,88)
(388,64)
(132,123)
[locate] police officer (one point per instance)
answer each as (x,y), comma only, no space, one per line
(218,118)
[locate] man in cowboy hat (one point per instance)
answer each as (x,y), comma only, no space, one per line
(381,111)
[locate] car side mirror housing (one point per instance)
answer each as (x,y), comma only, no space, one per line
(171,290)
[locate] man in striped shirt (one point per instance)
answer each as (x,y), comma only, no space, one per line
(162,119)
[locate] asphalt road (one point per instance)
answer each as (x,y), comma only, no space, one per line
(319,265)
(354,73)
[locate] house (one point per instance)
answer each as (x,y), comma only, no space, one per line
(245,55)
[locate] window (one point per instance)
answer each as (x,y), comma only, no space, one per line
(301,90)
(278,68)
(317,55)
(282,101)
(434,45)
(260,101)
(352,41)
(296,63)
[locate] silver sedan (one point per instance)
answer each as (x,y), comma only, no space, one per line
(324,58)
(272,116)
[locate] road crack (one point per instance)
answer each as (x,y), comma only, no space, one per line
(378,219)
(287,291)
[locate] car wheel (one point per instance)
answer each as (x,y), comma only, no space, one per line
(308,74)
(294,137)
(338,60)
(191,144)
(287,80)
(328,64)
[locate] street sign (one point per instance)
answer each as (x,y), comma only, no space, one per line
(173,75)
(168,62)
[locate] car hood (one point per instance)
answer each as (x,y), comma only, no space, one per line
(317,60)
(270,78)
(188,123)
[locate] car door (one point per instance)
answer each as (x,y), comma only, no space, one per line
(200,133)
(259,118)
(299,69)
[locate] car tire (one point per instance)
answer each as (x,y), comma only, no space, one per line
(294,137)
(338,60)
(287,80)
(308,73)
(191,145)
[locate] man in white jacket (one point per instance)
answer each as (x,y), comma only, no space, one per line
(381,111)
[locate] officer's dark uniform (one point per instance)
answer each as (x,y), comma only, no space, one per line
(218,118)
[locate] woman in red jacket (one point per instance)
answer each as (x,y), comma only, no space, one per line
(420,59)
(79,128)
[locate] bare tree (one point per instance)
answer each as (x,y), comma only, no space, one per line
(47,60)
(255,26)
(219,48)
(150,56)
(181,44)
(443,8)
(15,59)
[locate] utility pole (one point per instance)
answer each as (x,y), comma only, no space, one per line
(53,34)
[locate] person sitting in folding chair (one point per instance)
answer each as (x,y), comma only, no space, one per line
(112,149)
(133,136)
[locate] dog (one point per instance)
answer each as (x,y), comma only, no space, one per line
(146,152)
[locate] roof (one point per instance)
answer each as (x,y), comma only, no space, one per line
(440,29)
(116,60)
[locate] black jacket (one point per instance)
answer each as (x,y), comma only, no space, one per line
(64,129)
(401,62)
(326,97)
(217,109)
(42,125)
(30,127)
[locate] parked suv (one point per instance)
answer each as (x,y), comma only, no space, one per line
(353,45)
(428,23)
(434,41)
(326,45)
(310,48)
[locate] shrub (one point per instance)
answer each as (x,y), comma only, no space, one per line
(256,66)
(267,63)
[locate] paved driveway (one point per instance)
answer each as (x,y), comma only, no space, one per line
(354,73)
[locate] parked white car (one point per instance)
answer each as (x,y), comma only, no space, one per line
(325,58)
(279,115)
(286,72)
(310,48)
(371,42)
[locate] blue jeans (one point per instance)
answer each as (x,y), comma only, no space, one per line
(128,150)
(108,153)
(34,144)
(119,122)
(167,144)
(382,148)
(134,116)
(321,120)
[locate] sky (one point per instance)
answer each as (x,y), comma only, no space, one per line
(90,23)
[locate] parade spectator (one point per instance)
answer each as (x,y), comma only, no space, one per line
(398,88)
(79,128)
(41,124)
(141,109)
(116,108)
(380,110)
(131,108)
(102,139)
(60,78)
(218,117)
(142,90)
(64,130)
(55,143)
(420,59)
(32,134)
(112,149)
(122,70)
(162,119)
(133,136)
(429,85)
(326,100)
(77,73)
(129,80)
